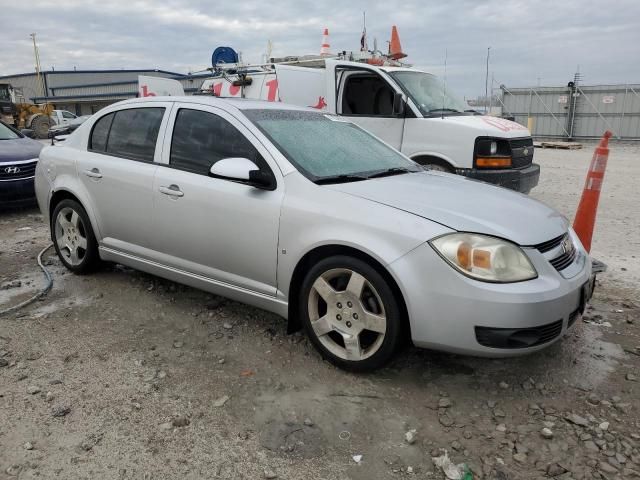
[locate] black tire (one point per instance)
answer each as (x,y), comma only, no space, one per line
(88,258)
(395,326)
(433,163)
(40,125)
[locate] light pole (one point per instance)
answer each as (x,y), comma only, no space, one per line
(486,81)
(36,54)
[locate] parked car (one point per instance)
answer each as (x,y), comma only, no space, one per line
(313,218)
(18,159)
(67,127)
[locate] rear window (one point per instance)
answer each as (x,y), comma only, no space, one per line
(130,133)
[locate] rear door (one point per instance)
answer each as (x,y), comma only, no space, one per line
(117,171)
(217,228)
(366,97)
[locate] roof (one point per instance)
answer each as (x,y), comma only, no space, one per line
(139,70)
(239,103)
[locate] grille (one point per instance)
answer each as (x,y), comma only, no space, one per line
(519,158)
(573,317)
(564,260)
(550,244)
(518,337)
(25,170)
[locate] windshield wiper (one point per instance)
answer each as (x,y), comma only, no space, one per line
(391,171)
(343,178)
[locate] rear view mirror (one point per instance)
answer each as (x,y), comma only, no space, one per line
(398,104)
(242,170)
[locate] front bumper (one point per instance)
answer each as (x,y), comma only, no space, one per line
(519,179)
(446,308)
(16,193)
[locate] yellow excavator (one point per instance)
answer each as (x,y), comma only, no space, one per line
(15,111)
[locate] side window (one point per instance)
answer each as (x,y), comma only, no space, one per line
(100,132)
(66,114)
(134,133)
(200,139)
(366,94)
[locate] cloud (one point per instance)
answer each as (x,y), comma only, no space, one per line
(544,40)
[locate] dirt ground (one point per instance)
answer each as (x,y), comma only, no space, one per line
(121,375)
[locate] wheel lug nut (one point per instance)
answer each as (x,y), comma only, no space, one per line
(349,324)
(339,305)
(349,304)
(338,317)
(355,316)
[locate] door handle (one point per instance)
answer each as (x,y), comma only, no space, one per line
(93,173)
(172,190)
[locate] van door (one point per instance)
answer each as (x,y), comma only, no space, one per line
(367,98)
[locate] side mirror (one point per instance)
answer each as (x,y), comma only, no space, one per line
(27,132)
(241,170)
(398,104)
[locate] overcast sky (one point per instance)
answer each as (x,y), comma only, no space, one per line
(531,41)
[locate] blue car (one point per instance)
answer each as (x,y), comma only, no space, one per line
(18,159)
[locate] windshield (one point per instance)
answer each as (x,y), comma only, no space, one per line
(429,93)
(4,93)
(325,149)
(7,133)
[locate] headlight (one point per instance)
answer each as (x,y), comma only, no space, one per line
(485,258)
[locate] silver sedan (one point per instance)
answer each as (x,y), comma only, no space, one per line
(315,219)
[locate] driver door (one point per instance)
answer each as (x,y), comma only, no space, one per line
(368,100)
(213,227)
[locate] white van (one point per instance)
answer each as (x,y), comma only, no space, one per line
(409,109)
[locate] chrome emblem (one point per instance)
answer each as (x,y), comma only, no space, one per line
(525,151)
(12,170)
(567,245)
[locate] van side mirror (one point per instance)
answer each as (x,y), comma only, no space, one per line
(27,132)
(398,104)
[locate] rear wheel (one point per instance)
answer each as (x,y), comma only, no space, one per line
(40,125)
(351,314)
(73,237)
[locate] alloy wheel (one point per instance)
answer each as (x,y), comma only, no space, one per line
(347,314)
(71,236)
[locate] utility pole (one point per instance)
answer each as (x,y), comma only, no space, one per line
(36,54)
(486,81)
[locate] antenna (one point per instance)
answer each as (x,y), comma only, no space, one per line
(444,87)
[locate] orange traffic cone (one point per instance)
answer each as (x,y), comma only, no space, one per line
(324,48)
(586,215)
(395,49)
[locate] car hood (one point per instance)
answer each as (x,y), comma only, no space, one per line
(488,125)
(463,204)
(19,149)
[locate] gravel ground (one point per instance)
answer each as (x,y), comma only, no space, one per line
(121,375)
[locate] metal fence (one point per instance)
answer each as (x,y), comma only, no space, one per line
(575,111)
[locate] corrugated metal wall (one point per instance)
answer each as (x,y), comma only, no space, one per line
(576,112)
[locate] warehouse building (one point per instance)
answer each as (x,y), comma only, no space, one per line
(84,92)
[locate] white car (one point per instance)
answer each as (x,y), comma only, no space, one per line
(315,219)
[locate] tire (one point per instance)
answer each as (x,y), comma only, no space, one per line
(73,237)
(358,333)
(40,125)
(435,164)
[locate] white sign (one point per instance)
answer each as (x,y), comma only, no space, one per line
(562,99)
(608,99)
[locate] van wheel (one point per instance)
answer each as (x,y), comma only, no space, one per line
(350,314)
(73,237)
(435,164)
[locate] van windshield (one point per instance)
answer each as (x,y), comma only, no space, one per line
(429,94)
(327,150)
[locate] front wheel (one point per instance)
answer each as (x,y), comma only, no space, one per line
(73,237)
(351,314)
